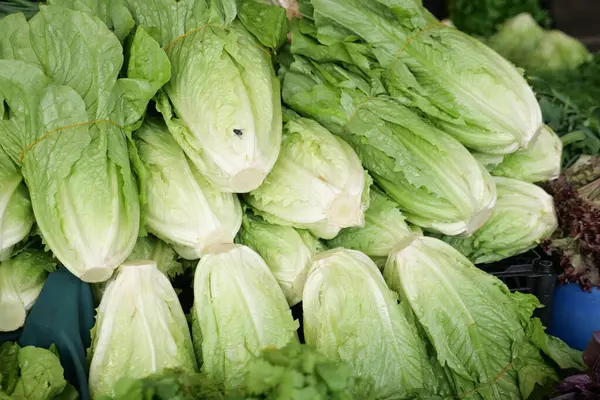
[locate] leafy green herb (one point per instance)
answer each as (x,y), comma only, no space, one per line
(292,372)
(32,373)
(297,372)
(168,385)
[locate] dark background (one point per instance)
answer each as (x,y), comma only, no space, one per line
(578,18)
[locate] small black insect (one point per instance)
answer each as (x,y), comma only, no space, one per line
(238,132)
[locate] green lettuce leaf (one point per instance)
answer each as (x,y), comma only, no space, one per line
(28,7)
(533,370)
(41,375)
(554,348)
(30,373)
(267,23)
(112,12)
(217,121)
(70,115)
(16,215)
(532,365)
(9,366)
(540,163)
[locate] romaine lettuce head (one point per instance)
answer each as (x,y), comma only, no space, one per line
(517,39)
(483,335)
(225,97)
(182,207)
(522,41)
(540,163)
(68,121)
(523,217)
(466,88)
(434,179)
(222,104)
(140,329)
(558,51)
(318,378)
(288,252)
(318,182)
(385,226)
(16,216)
(21,280)
(351,315)
(239,310)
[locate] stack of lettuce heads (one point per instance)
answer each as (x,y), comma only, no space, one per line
(430,111)
(114,183)
(435,180)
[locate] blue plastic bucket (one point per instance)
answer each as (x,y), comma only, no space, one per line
(575,315)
